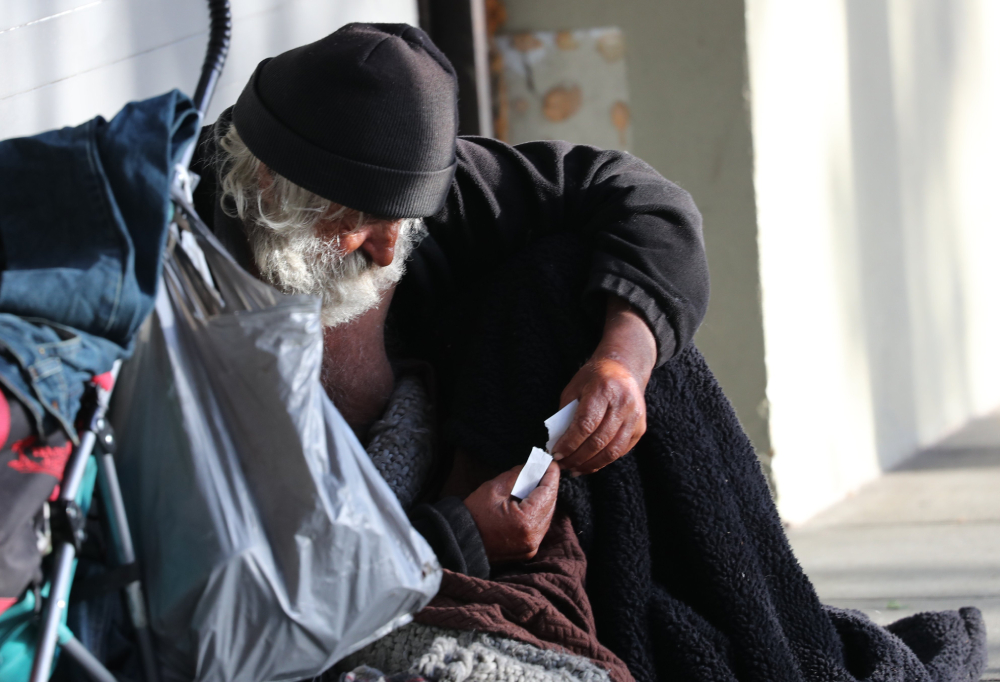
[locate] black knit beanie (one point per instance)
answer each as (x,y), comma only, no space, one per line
(365,117)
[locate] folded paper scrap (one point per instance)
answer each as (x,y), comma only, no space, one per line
(539,460)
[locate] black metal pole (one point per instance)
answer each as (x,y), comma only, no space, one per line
(220,31)
(65,551)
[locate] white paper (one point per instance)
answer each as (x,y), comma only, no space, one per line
(558,423)
(539,460)
(531,474)
(197,256)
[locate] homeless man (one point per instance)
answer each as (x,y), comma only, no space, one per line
(339,169)
(338,165)
(340,161)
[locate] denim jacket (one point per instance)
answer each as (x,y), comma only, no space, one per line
(84,214)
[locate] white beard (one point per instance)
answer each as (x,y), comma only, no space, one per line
(296,261)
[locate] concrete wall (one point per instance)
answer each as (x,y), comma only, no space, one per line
(686,62)
(875,129)
(65,61)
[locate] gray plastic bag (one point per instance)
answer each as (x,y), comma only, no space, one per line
(270,546)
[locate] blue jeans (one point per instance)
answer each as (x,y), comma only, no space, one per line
(84,214)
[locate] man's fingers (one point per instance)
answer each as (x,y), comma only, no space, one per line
(623,441)
(589,416)
(513,530)
(597,441)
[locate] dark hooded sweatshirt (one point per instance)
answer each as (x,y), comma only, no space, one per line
(643,231)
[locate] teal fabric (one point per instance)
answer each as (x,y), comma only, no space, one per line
(19,623)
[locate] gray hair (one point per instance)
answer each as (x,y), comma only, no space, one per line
(283,222)
(281,204)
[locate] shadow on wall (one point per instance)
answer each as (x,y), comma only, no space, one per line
(903,76)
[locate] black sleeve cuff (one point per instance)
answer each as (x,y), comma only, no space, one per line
(663,331)
(450,530)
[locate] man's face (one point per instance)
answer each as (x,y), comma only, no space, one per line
(348,258)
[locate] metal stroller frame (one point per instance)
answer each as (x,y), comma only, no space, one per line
(98,440)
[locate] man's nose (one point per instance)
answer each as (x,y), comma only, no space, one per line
(378,240)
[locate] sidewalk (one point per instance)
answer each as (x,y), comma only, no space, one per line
(923,537)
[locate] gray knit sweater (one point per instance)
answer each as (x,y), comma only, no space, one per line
(458,656)
(400,443)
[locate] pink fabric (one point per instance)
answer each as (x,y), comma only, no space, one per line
(4,419)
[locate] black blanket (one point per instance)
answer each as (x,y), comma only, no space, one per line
(690,574)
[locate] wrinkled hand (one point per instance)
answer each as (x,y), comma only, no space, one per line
(512,530)
(611,389)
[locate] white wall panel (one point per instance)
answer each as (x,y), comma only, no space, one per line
(876,143)
(65,61)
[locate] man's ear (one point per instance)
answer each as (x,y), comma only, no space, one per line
(265,178)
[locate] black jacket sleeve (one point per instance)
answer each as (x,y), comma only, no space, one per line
(450,530)
(645,232)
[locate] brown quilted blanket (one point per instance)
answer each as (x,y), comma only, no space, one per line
(542,602)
